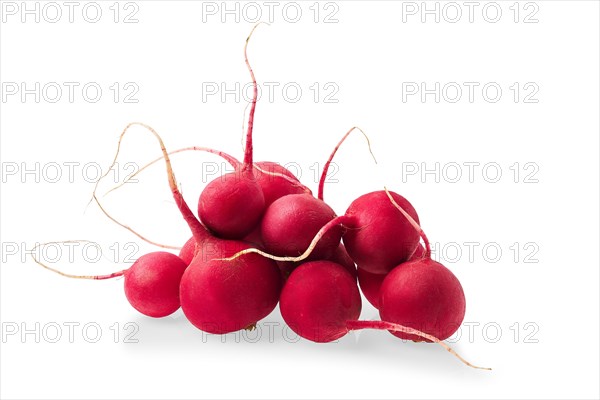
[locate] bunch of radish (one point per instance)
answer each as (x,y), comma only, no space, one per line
(262,238)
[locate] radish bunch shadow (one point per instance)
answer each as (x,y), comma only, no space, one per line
(261,238)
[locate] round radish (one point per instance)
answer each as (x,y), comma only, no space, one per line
(225,296)
(317,300)
(380,237)
(424,295)
(152,283)
(231,205)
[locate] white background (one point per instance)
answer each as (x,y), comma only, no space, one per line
(546,312)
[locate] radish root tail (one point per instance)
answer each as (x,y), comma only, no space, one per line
(231,160)
(249,149)
(56,271)
(196,227)
(383,325)
(326,166)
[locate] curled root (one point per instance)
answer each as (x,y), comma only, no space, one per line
(326,166)
(195,226)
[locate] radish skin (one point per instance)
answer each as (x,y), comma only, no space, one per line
(424,295)
(152,284)
(226,296)
(370,285)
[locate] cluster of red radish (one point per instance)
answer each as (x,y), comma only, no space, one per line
(262,238)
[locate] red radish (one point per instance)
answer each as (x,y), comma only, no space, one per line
(424,295)
(152,283)
(370,285)
(379,237)
(231,206)
(320,302)
(317,300)
(225,296)
(291,222)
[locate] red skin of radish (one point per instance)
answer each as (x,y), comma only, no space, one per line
(381,237)
(424,295)
(152,283)
(231,206)
(275,187)
(341,256)
(188,251)
(225,296)
(291,222)
(318,299)
(370,285)
(254,237)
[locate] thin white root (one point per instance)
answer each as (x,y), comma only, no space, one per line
(94,277)
(95,198)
